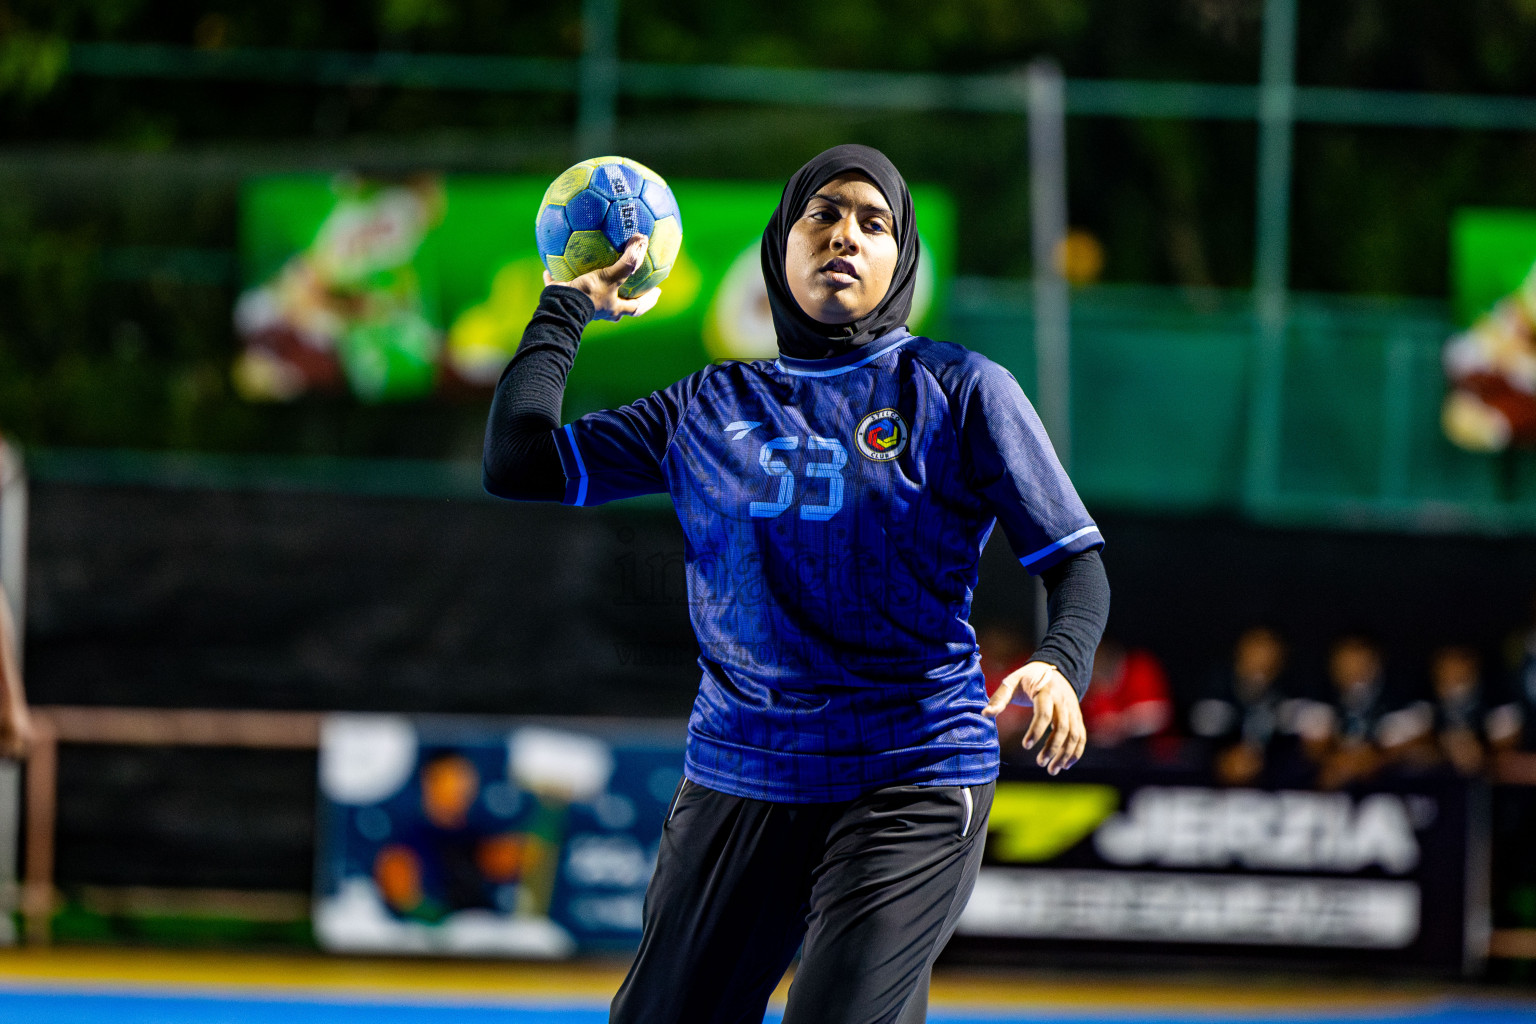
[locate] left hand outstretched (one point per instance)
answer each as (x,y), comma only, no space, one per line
(1056,712)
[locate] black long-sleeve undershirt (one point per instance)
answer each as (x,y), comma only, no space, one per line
(1077,608)
(521,463)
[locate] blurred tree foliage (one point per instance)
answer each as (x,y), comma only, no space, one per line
(118,196)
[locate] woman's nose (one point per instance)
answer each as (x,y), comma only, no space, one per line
(845,237)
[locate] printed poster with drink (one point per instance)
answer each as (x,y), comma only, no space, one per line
(419,286)
(480,838)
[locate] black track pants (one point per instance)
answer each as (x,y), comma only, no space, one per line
(873,887)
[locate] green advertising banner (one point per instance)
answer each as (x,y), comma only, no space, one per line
(1492,252)
(408,288)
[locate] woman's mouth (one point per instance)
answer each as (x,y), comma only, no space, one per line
(840,268)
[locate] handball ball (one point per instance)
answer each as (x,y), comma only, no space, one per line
(593,208)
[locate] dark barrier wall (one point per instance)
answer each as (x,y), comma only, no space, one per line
(180,598)
(197,598)
(186,817)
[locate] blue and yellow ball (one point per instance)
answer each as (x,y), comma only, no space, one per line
(594,207)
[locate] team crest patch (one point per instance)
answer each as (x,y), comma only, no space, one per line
(882,435)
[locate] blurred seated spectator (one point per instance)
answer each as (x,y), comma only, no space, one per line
(1003,649)
(1245,710)
(1347,738)
(1512,723)
(1450,728)
(1128,697)
(1460,719)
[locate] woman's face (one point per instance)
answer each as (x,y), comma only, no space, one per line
(841,253)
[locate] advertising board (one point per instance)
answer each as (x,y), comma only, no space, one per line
(1389,874)
(529,838)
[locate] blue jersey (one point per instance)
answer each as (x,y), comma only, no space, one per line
(834,512)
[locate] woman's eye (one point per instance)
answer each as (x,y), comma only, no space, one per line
(875,225)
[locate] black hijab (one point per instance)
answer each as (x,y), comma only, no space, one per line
(800,336)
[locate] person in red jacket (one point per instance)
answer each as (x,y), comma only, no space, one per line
(1128,697)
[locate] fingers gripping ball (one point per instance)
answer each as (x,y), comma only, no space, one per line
(593,208)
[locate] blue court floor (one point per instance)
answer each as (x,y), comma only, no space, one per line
(52,1006)
(126,985)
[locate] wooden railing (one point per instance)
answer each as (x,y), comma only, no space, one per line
(260,730)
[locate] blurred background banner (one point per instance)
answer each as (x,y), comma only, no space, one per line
(393,289)
(1491,366)
(1394,875)
(487,837)
(1492,252)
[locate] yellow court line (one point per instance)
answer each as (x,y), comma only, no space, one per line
(1121,992)
(201,969)
(596,981)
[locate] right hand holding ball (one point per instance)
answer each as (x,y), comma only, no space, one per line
(602,286)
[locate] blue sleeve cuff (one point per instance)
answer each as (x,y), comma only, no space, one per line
(1085,539)
(576,479)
